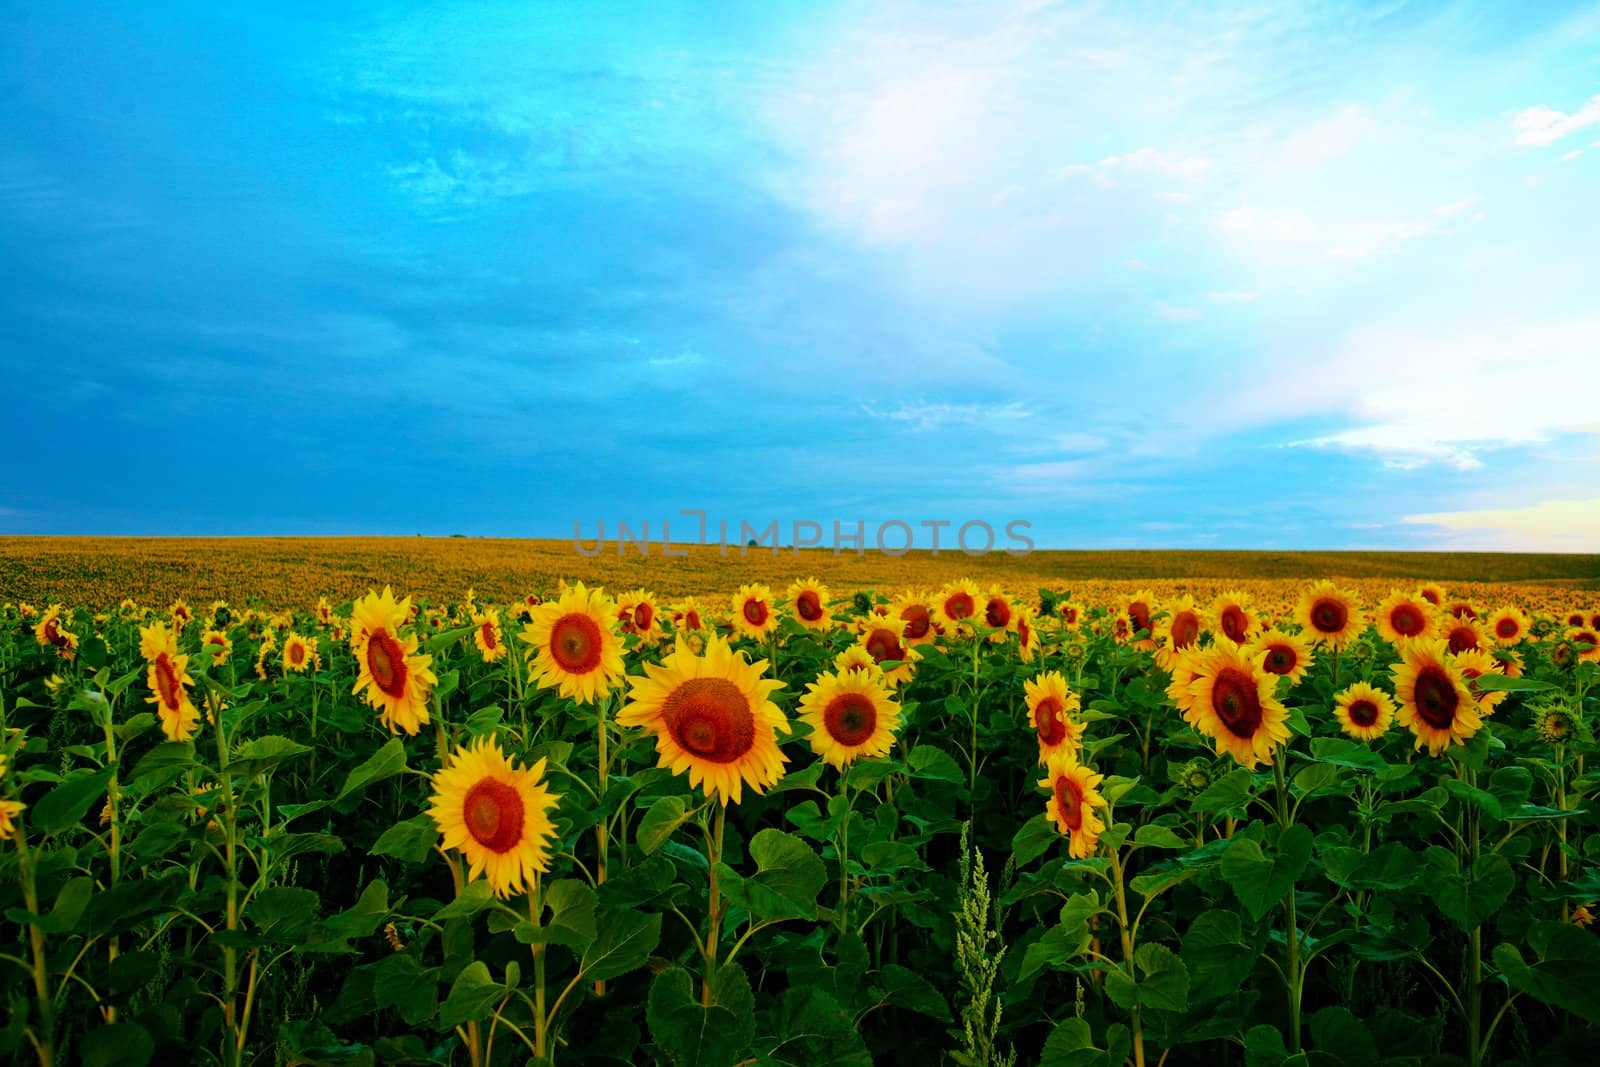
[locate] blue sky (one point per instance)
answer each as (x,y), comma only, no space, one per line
(1142,274)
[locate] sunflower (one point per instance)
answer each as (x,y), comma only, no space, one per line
(1461,609)
(637,613)
(713,716)
(1073,798)
(1575,618)
(1288,655)
(52,632)
(1051,703)
(395,677)
(1328,615)
(1510,662)
(851,715)
(1473,664)
(1230,700)
(1435,703)
(1071,618)
(324,611)
(1404,617)
(881,639)
(1364,711)
(1137,612)
(917,616)
(1509,625)
(1177,630)
(300,653)
(216,642)
(855,658)
(1231,616)
(181,615)
(1027,634)
(998,613)
(958,600)
(688,615)
(809,599)
(753,616)
(168,678)
(1432,593)
(1585,642)
(496,814)
(1462,635)
(575,645)
(9,810)
(487,636)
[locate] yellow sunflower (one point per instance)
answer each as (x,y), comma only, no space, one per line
(9,810)
(638,614)
(1051,704)
(300,653)
(688,615)
(1405,617)
(913,611)
(1230,700)
(1027,634)
(999,613)
(958,600)
(395,677)
(52,631)
(1071,618)
(880,637)
(753,616)
(216,642)
(1177,630)
(713,716)
(1432,593)
(1435,703)
(1509,625)
(1364,711)
(1585,642)
(809,601)
(1328,615)
(856,658)
(575,644)
(1137,613)
(1231,616)
(1473,663)
(496,814)
(323,610)
(487,636)
(168,678)
(1074,796)
(1288,655)
(1462,635)
(181,615)
(851,715)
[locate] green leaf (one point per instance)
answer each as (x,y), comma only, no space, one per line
(410,841)
(1033,839)
(905,988)
(623,941)
(1342,752)
(121,1044)
(696,1035)
(1071,1044)
(1260,881)
(1564,972)
(472,996)
(934,763)
(811,1028)
(1468,898)
(63,917)
(387,762)
(1163,984)
(1230,793)
(474,897)
(284,913)
(264,754)
(401,982)
(1158,836)
(788,878)
(659,823)
(67,803)
(167,756)
(1337,1032)
(1059,944)
(571,922)
(1500,683)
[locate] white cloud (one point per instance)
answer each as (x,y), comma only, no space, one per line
(1570,156)
(1273,232)
(1327,140)
(1548,526)
(1543,126)
(925,416)
(1456,207)
(1153,161)
(1241,296)
(1174,313)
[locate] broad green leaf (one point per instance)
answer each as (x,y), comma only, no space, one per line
(472,996)
(788,878)
(623,941)
(664,817)
(1468,897)
(387,762)
(1033,839)
(571,921)
(696,1035)
(410,841)
(1260,881)
(67,803)
(1163,983)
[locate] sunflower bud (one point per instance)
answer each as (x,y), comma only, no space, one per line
(1193,777)
(1555,724)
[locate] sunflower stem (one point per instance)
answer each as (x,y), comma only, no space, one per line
(44,1043)
(541,1018)
(844,859)
(1126,931)
(1291,931)
(602,829)
(714,908)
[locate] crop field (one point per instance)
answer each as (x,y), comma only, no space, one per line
(441,802)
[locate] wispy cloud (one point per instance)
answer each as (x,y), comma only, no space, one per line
(1542,126)
(1548,526)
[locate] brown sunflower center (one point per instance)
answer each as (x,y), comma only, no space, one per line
(1363,712)
(1024,632)
(1463,638)
(1069,615)
(1329,616)
(575,643)
(851,718)
(297,654)
(494,815)
(691,620)
(1436,696)
(808,605)
(1281,659)
(959,605)
(1185,629)
(710,718)
(491,640)
(1069,798)
(1237,702)
(884,644)
(170,691)
(387,662)
(1408,620)
(918,621)
(1506,629)
(1235,623)
(643,616)
(1139,615)
(997,613)
(755,612)
(1052,730)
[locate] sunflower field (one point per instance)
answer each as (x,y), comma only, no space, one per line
(1328,823)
